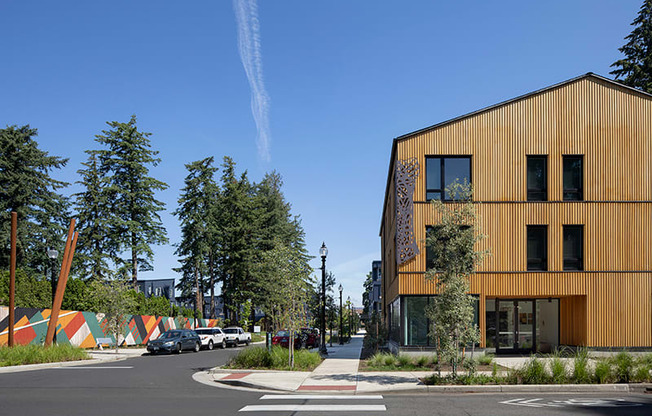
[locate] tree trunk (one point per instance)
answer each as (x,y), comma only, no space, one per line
(210,271)
(134,260)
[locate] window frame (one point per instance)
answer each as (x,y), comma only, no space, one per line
(530,265)
(442,177)
(579,192)
(530,193)
(573,264)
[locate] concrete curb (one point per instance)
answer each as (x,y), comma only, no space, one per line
(44,366)
(240,383)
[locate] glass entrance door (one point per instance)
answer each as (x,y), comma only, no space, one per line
(516,326)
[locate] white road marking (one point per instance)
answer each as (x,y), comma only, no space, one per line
(319,397)
(589,402)
(314,408)
(91,368)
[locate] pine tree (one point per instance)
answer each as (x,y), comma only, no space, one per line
(273,225)
(134,223)
(92,206)
(635,69)
(235,226)
(27,188)
(196,204)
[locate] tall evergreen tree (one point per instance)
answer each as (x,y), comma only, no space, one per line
(635,69)
(273,225)
(234,224)
(196,205)
(134,224)
(92,206)
(27,188)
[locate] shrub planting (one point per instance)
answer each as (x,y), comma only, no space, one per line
(624,366)
(277,359)
(603,373)
(36,354)
(403,360)
(581,371)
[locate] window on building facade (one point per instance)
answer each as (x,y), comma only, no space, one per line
(573,178)
(537,178)
(573,247)
(395,320)
(415,324)
(442,171)
(537,247)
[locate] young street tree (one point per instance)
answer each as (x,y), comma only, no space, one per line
(286,300)
(27,188)
(635,69)
(115,299)
(453,247)
(134,223)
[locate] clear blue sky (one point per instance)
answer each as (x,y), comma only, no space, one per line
(343,78)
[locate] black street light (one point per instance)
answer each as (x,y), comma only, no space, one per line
(348,301)
(341,326)
(330,302)
(323,252)
(53,254)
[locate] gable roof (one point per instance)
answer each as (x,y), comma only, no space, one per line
(407,136)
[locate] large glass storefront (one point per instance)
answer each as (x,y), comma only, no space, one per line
(409,324)
(522,325)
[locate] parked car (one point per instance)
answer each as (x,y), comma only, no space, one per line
(304,337)
(236,335)
(211,337)
(175,340)
(282,338)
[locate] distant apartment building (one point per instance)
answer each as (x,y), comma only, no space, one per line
(375,297)
(562,181)
(157,287)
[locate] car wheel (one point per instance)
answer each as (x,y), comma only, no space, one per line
(210,344)
(223,344)
(247,343)
(177,350)
(197,346)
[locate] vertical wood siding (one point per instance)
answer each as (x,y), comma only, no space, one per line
(611,303)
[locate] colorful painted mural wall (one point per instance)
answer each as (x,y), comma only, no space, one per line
(83,328)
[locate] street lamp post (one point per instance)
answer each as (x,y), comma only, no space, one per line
(323,252)
(341,326)
(348,301)
(330,302)
(53,254)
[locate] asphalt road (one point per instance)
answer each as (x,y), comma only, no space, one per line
(163,385)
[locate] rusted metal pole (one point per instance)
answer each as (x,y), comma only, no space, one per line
(12,277)
(56,302)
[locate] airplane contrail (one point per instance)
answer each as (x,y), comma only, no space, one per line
(246,12)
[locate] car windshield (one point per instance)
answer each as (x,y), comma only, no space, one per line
(203,331)
(170,334)
(230,331)
(282,334)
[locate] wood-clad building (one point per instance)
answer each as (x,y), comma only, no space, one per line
(562,179)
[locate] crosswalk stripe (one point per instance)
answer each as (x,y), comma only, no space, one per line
(320,397)
(314,408)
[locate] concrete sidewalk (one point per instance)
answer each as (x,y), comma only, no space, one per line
(339,373)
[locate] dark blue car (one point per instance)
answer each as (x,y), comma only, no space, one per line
(175,340)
